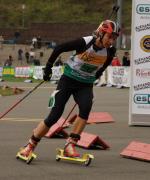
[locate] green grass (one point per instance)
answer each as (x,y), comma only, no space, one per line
(14,79)
(8,91)
(55,11)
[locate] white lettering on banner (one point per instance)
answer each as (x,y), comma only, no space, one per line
(118,71)
(38,72)
(22,71)
(1,71)
(118,76)
(140,56)
(57,71)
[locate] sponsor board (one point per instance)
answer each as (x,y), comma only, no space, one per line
(139,105)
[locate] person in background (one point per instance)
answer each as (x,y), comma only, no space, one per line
(126,59)
(34,42)
(39,42)
(116,61)
(20,53)
(31,55)
(27,56)
(1,42)
(17,36)
(8,61)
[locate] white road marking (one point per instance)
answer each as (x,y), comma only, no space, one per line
(21,119)
(27,87)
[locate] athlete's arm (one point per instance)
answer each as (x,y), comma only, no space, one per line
(77,45)
(111,53)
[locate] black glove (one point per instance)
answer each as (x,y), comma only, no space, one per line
(47,72)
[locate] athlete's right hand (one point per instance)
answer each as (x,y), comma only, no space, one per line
(98,74)
(47,72)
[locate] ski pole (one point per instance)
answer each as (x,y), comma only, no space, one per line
(69,114)
(115,9)
(20,100)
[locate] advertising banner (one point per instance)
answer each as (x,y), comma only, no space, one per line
(139,110)
(38,72)
(118,76)
(57,71)
(1,71)
(8,71)
(24,71)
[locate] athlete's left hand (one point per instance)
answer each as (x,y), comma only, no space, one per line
(47,72)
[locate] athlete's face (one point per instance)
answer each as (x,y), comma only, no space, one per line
(108,40)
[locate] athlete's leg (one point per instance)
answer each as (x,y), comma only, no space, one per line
(78,127)
(83,98)
(61,98)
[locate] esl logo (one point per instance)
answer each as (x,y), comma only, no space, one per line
(142,98)
(145,43)
(143,9)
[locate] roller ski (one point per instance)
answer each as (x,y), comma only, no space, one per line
(69,154)
(26,154)
(85,159)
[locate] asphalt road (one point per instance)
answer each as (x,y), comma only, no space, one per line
(16,127)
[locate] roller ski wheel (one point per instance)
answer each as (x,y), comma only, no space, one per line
(86,159)
(28,159)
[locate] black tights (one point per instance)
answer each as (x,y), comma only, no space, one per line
(82,94)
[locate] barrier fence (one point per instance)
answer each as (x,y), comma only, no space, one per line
(115,75)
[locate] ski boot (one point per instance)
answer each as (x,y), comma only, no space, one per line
(69,153)
(26,153)
(70,150)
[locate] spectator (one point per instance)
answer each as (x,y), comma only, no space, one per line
(126,59)
(36,62)
(8,61)
(27,55)
(31,56)
(34,42)
(1,42)
(39,42)
(116,61)
(16,36)
(20,52)
(41,54)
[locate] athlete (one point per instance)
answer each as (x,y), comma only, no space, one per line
(93,55)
